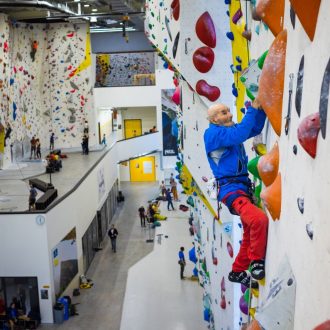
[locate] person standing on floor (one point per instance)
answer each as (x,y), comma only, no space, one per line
(142,214)
(51,141)
(38,146)
(182,262)
(163,189)
(32,198)
(33,143)
(169,199)
(113,233)
(228,161)
(174,190)
(104,140)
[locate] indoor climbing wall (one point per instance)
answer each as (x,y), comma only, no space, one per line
(46,84)
(294,91)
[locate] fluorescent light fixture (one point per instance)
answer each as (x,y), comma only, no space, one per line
(94,9)
(102,30)
(76,0)
(93,19)
(87,5)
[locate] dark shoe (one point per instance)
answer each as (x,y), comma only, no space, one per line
(243,278)
(257,269)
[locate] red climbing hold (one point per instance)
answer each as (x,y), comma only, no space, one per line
(308,132)
(230,250)
(176,96)
(176,82)
(203,59)
(212,93)
(205,30)
(70,35)
(324,326)
(176,9)
(223,302)
(223,284)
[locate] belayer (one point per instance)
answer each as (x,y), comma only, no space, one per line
(228,160)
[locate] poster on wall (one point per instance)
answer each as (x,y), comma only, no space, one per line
(170,125)
(125,69)
(65,262)
(101,182)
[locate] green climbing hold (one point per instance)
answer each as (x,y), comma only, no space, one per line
(247,296)
(249,95)
(252,167)
(243,79)
(261,60)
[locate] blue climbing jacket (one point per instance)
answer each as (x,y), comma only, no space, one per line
(226,154)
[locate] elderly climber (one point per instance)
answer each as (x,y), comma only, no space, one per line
(228,161)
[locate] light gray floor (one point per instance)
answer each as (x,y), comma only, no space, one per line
(155,296)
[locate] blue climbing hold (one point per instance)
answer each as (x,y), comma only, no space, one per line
(227,2)
(239,67)
(228,14)
(232,68)
(238,59)
(235,91)
(11,81)
(243,110)
(257,29)
(230,35)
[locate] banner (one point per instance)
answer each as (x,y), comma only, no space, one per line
(170,124)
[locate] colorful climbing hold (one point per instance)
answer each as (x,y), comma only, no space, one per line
(324,100)
(308,132)
(268,165)
(230,36)
(230,249)
(271,196)
(203,59)
(175,5)
(300,202)
(205,30)
(212,93)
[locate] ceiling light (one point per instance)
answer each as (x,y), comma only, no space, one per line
(76,0)
(94,9)
(93,19)
(87,5)
(101,30)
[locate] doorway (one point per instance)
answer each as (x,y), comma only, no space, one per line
(142,169)
(133,127)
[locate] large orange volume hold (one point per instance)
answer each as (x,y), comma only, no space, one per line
(254,325)
(272,196)
(271,81)
(272,13)
(307,12)
(268,166)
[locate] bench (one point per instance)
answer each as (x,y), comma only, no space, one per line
(41,185)
(46,199)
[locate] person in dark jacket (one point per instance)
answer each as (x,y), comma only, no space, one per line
(182,262)
(142,214)
(113,233)
(228,161)
(169,200)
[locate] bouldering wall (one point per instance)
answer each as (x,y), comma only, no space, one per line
(46,84)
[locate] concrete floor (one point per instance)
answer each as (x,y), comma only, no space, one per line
(155,297)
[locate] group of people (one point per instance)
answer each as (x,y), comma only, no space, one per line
(35,148)
(17,310)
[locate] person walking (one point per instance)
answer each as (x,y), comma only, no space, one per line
(228,161)
(142,214)
(51,141)
(174,190)
(182,262)
(169,199)
(32,198)
(104,140)
(38,146)
(113,233)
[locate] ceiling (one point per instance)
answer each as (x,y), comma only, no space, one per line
(103,14)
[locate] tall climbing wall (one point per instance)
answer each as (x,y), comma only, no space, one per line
(46,83)
(299,237)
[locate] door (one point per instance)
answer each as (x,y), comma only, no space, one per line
(133,127)
(143,169)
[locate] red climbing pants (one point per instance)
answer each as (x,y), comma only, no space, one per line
(255,226)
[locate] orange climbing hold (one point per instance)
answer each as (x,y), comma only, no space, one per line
(272,13)
(271,197)
(271,82)
(254,325)
(308,131)
(307,12)
(268,166)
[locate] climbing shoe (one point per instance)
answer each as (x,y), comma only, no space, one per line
(243,278)
(257,269)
